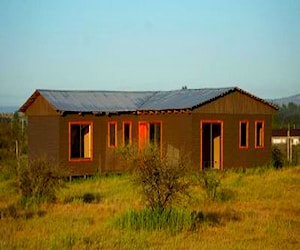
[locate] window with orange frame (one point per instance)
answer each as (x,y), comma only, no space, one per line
(259,134)
(80,141)
(127,133)
(244,134)
(112,134)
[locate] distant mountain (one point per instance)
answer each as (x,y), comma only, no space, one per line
(8,109)
(286,100)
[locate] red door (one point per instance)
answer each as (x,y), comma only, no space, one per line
(143,134)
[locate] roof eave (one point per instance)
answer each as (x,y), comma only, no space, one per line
(29,101)
(273,106)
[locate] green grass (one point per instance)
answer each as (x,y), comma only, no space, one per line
(172,220)
(261,210)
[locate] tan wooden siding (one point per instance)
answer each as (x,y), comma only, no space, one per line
(180,136)
(43,137)
(236,103)
(41,107)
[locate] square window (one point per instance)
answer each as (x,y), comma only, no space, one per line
(80,140)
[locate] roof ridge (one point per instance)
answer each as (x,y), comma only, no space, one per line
(148,98)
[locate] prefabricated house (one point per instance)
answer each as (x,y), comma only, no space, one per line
(216,127)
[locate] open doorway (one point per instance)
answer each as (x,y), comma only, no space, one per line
(211,144)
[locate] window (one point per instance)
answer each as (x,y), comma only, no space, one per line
(126,133)
(149,132)
(80,140)
(244,128)
(259,134)
(112,134)
(154,134)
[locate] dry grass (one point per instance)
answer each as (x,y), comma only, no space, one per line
(261,211)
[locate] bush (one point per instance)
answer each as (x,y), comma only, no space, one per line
(85,198)
(39,180)
(162,180)
(211,181)
(277,158)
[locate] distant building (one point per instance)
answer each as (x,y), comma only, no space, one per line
(288,141)
(282,136)
(218,128)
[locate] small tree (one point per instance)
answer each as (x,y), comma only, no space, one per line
(161,180)
(39,179)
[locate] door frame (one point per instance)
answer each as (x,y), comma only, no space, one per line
(221,123)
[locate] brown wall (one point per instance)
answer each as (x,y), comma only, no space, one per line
(180,134)
(43,137)
(233,156)
(176,137)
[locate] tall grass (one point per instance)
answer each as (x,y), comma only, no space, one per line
(173,220)
(263,214)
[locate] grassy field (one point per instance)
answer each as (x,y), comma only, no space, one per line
(259,210)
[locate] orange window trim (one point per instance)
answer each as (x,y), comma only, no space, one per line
(247,134)
(156,122)
(90,123)
(108,138)
(222,140)
(130,132)
(144,135)
(262,136)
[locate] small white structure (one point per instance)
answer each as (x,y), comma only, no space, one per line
(288,137)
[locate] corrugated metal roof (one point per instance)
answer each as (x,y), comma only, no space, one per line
(125,101)
(182,99)
(94,101)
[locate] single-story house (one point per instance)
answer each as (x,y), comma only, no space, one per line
(217,127)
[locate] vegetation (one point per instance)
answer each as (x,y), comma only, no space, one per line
(288,115)
(39,180)
(277,158)
(211,181)
(160,206)
(172,220)
(162,181)
(13,142)
(263,213)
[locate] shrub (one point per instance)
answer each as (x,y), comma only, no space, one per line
(88,197)
(277,158)
(39,180)
(211,181)
(162,179)
(85,198)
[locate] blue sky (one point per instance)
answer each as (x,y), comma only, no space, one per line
(148,45)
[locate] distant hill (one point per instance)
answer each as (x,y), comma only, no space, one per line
(8,109)
(286,100)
